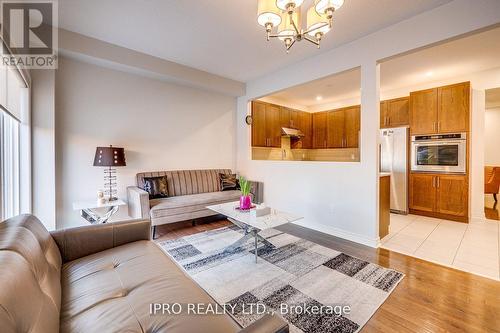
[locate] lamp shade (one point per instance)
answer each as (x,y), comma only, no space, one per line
(109,157)
(316,23)
(322,6)
(286,29)
(283,4)
(268,13)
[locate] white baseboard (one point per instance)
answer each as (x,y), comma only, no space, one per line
(350,236)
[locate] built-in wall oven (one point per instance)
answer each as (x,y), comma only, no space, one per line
(439,153)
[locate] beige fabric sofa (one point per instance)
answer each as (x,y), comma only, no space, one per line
(189,192)
(98,278)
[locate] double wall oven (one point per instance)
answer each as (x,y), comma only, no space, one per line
(439,153)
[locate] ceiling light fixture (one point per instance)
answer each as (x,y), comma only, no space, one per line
(319,98)
(429,73)
(285,16)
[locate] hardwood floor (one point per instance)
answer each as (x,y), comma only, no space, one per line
(491,208)
(431,298)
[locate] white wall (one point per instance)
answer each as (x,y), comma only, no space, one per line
(162,126)
(492,137)
(43,146)
(341,198)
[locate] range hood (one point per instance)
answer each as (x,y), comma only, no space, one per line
(290,132)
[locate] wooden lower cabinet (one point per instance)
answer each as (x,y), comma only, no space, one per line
(439,195)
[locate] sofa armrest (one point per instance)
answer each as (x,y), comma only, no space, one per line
(78,242)
(267,324)
(257,191)
(138,203)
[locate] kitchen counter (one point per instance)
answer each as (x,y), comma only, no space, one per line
(384,174)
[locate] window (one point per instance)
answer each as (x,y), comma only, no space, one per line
(13,130)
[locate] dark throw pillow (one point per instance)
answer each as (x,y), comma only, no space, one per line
(156,187)
(228,182)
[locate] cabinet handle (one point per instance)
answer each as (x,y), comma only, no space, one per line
(389,121)
(438,182)
(439,126)
(433,181)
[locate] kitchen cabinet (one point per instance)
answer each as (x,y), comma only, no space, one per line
(266,126)
(304,123)
(319,129)
(395,112)
(453,106)
(343,127)
(440,110)
(384,206)
(440,195)
(423,111)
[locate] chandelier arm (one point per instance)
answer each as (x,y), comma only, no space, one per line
(311,40)
(294,25)
(319,27)
(290,46)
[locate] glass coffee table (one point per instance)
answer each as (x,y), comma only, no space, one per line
(250,223)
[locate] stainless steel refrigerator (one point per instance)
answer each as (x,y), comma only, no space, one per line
(394,160)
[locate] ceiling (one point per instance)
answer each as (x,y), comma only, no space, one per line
(221,36)
(463,56)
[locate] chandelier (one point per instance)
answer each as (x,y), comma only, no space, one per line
(285,15)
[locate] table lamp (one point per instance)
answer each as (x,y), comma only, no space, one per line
(110,157)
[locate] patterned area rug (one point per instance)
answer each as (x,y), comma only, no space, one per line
(291,275)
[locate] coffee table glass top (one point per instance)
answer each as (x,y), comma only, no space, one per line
(272,220)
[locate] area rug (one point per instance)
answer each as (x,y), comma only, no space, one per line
(291,277)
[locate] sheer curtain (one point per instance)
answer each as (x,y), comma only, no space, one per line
(14,111)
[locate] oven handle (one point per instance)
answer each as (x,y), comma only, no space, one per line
(440,143)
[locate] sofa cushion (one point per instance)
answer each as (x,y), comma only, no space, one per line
(228,182)
(112,291)
(30,270)
(186,182)
(190,203)
(157,187)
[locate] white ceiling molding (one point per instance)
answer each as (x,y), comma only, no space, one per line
(101,53)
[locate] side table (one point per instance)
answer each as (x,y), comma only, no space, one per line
(87,210)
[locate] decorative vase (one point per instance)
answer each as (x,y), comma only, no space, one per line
(245,202)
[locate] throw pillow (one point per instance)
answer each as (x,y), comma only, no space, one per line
(228,182)
(156,187)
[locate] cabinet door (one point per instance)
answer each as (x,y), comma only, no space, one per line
(398,112)
(273,125)
(423,112)
(259,138)
(294,119)
(422,192)
(305,125)
(384,115)
(335,129)
(352,118)
(453,108)
(285,117)
(452,195)
(319,130)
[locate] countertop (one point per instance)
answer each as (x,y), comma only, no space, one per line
(384,174)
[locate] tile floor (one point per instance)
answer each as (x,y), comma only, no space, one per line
(472,247)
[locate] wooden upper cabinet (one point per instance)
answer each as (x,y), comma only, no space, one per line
(395,112)
(423,111)
(305,125)
(453,106)
(452,195)
(384,114)
(352,126)
(422,192)
(319,125)
(294,119)
(440,110)
(335,126)
(285,117)
(273,125)
(259,137)
(266,127)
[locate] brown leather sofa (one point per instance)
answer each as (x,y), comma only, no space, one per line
(492,181)
(98,278)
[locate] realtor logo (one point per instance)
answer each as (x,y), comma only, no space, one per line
(29,33)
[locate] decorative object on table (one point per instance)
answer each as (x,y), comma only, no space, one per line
(100,197)
(245,199)
(157,187)
(260,211)
(285,15)
(228,182)
(92,210)
(110,157)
